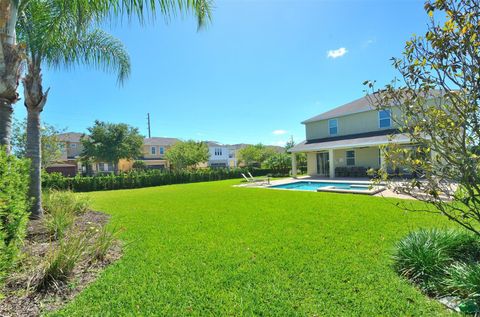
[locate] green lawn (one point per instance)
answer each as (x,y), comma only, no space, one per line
(212,249)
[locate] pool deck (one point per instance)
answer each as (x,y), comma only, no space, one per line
(357,180)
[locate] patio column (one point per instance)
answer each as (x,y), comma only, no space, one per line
(331,164)
(294,165)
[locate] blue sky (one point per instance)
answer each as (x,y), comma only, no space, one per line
(251,76)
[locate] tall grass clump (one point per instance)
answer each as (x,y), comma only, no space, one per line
(13,208)
(61,208)
(104,240)
(422,256)
(61,261)
(443,263)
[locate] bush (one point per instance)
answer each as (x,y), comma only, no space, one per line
(61,208)
(14,176)
(138,179)
(423,256)
(139,165)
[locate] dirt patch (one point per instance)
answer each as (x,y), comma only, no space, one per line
(21,297)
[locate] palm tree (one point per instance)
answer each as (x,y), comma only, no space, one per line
(55,37)
(12,54)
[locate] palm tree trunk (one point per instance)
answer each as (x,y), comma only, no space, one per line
(10,62)
(35,101)
(34,153)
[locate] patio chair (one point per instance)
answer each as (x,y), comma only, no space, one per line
(267,180)
(252,180)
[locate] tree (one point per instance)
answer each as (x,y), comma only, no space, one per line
(279,163)
(187,154)
(255,155)
(50,144)
(12,53)
(439,100)
(111,142)
(301,157)
(58,37)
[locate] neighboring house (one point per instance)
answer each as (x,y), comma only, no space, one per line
(71,148)
(349,136)
(221,155)
(154,150)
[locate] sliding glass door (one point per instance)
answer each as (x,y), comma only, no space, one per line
(323,164)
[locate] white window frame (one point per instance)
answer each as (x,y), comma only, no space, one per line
(354,158)
(161,150)
(389,119)
(153,150)
(73,145)
(332,127)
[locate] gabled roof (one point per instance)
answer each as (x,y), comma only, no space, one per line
(160,141)
(360,105)
(356,106)
(70,136)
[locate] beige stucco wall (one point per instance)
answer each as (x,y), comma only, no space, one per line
(365,157)
(350,124)
(147,151)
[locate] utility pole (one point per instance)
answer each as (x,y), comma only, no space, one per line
(148,122)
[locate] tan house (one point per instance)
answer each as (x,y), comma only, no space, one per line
(348,137)
(154,150)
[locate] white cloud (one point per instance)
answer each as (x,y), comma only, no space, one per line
(369,42)
(279,132)
(337,53)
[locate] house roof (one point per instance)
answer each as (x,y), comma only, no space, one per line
(356,106)
(360,105)
(160,141)
(70,136)
(352,141)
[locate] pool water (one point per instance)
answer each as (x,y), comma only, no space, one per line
(313,186)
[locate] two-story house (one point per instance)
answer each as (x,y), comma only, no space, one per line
(351,135)
(221,155)
(154,150)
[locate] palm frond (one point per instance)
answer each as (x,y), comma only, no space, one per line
(95,48)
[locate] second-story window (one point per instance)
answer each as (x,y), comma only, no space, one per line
(218,151)
(332,127)
(384,119)
(162,150)
(73,145)
(153,150)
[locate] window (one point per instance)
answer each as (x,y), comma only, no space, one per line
(332,126)
(350,158)
(384,119)
(162,150)
(218,151)
(153,150)
(73,145)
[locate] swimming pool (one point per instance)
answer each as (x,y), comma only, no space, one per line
(341,187)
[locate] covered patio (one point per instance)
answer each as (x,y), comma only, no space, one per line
(331,157)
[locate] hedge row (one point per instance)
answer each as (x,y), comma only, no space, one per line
(138,179)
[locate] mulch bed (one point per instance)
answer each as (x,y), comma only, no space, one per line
(20,298)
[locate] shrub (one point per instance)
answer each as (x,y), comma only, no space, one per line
(13,208)
(61,208)
(61,261)
(423,255)
(139,165)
